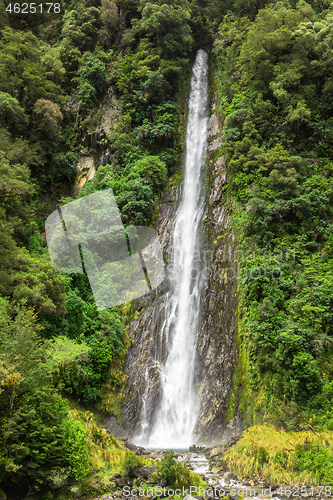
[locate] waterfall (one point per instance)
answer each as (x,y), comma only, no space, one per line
(175,418)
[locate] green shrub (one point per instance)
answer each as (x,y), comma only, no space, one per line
(176,473)
(87,94)
(77,448)
(169,467)
(136,202)
(86,377)
(153,170)
(93,71)
(11,113)
(131,463)
(315,458)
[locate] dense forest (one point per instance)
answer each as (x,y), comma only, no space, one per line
(278,141)
(61,359)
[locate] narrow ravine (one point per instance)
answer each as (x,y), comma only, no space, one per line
(174,420)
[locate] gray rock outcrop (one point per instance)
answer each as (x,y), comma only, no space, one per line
(216,344)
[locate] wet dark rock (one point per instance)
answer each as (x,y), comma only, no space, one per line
(144,452)
(216,344)
(101,121)
(170,197)
(132,447)
(230,476)
(223,465)
(115,476)
(112,427)
(233,440)
(136,449)
(145,472)
(123,481)
(148,346)
(162,482)
(198,449)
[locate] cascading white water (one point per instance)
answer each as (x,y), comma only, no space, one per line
(175,419)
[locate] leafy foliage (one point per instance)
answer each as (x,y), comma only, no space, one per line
(176,473)
(154,171)
(316,459)
(49,117)
(11,113)
(130,463)
(54,341)
(93,72)
(23,74)
(283,456)
(33,416)
(275,107)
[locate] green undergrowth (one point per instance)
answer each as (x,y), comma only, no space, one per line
(283,457)
(176,473)
(107,457)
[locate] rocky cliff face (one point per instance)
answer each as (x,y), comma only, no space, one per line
(216,344)
(148,348)
(99,124)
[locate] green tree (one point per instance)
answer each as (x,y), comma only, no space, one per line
(153,170)
(110,18)
(92,81)
(34,431)
(87,94)
(136,202)
(86,377)
(48,118)
(23,75)
(167,24)
(93,71)
(12,115)
(53,65)
(80,28)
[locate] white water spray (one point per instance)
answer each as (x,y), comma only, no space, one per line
(175,419)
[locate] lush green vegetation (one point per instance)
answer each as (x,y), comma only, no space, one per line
(54,343)
(273,73)
(283,457)
(275,90)
(176,473)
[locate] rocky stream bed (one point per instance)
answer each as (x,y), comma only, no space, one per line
(209,464)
